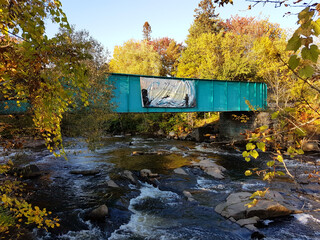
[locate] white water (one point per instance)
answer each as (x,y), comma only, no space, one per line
(141,224)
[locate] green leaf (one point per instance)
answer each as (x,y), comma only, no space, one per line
(270,163)
(258,194)
(280,158)
(316,27)
(294,62)
(245,154)
(261,146)
(269,176)
(291,150)
(311,53)
(300,151)
(263,128)
(306,71)
(254,154)
(250,146)
(294,43)
(248,173)
(274,115)
(280,173)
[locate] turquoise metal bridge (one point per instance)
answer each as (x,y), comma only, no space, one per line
(209,96)
(148,94)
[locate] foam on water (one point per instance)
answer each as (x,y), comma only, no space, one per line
(305,218)
(144,224)
(252,186)
(209,185)
(92,233)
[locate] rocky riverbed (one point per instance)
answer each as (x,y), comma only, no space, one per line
(147,188)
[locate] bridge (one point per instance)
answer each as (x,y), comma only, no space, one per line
(149,94)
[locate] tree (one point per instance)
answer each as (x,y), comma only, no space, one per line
(206,20)
(89,121)
(253,27)
(51,75)
(169,51)
(301,121)
(135,57)
(146,31)
(216,56)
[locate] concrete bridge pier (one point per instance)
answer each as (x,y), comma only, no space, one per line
(231,124)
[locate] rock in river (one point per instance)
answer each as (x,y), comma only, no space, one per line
(210,168)
(99,214)
(270,206)
(146,173)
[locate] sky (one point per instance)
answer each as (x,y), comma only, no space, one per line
(113,22)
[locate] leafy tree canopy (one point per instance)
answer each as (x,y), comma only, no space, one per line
(169,51)
(135,57)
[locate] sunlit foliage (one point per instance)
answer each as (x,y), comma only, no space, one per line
(135,57)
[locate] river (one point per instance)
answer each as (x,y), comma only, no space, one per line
(159,210)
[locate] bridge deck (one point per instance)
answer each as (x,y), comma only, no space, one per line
(210,95)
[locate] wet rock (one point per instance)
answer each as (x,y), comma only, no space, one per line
(29,171)
(308,178)
(85,172)
(189,196)
(180,171)
(270,206)
(129,175)
(146,173)
(251,227)
(237,210)
(268,209)
(99,214)
(248,221)
(238,197)
(210,168)
(112,184)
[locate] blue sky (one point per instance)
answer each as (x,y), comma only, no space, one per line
(113,22)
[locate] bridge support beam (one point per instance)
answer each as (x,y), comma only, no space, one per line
(232,124)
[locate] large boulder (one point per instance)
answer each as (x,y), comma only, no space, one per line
(270,206)
(268,209)
(99,214)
